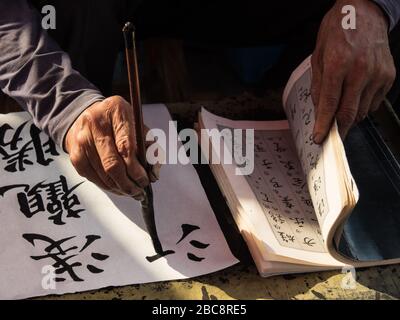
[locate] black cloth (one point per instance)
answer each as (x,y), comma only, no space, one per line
(90,31)
(56,75)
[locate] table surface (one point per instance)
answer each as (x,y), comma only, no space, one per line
(242,280)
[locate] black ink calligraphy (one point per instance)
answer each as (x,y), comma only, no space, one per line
(186,229)
(59,197)
(60,255)
(18,153)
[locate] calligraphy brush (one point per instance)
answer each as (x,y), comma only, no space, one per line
(134,90)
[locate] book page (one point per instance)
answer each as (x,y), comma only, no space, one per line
(272,203)
(280,188)
(325,166)
(300,112)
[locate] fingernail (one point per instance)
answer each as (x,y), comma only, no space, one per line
(343,134)
(143,181)
(318,138)
(155,172)
(139,196)
(153,177)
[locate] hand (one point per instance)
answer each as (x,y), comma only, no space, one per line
(352,70)
(101,145)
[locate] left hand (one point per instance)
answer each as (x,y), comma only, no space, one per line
(352,70)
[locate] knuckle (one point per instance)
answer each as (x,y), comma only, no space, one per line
(380,76)
(346,116)
(123,146)
(109,109)
(330,103)
(88,116)
(94,119)
(111,165)
(121,125)
(383,75)
(81,139)
(115,103)
(391,74)
(117,111)
(116,100)
(103,141)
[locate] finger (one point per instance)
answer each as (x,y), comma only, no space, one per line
(377,99)
(366,102)
(316,79)
(97,179)
(123,129)
(330,93)
(389,78)
(87,150)
(84,169)
(348,108)
(154,173)
(114,167)
(95,162)
(111,161)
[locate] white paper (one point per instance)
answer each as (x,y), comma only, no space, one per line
(107,240)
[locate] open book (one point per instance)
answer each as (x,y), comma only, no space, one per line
(293,208)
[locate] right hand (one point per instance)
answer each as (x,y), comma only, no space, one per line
(353,70)
(101,145)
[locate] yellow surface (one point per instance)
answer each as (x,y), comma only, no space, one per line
(240,282)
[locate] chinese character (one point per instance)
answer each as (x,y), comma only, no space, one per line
(20,155)
(305,93)
(309,241)
(298,221)
(267,164)
(187,229)
(61,256)
(278,147)
(289,165)
(288,202)
(286,237)
(58,196)
(275,183)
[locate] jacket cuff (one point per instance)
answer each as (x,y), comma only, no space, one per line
(66,118)
(392,10)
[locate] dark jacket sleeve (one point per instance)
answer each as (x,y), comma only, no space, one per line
(38,74)
(392,10)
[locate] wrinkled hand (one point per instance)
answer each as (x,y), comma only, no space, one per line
(352,69)
(101,145)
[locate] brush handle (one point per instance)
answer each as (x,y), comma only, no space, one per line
(134,91)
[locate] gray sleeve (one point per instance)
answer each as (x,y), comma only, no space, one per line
(392,10)
(38,74)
